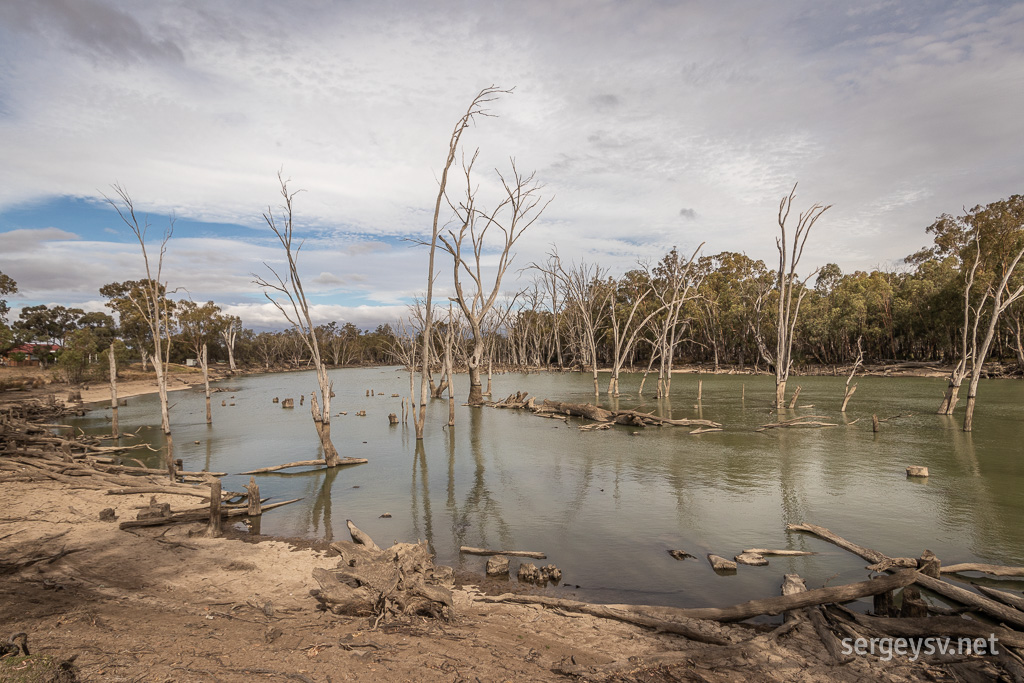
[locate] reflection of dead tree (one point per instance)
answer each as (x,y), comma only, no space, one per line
(476,108)
(295,309)
(787,282)
(518,209)
(153,308)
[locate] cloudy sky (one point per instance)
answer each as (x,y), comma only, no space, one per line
(651,124)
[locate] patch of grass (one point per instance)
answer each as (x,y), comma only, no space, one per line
(37,669)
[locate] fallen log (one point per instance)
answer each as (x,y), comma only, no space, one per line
(185,517)
(515,553)
(117,469)
(947,590)
(741,612)
(924,627)
(306,463)
(794,585)
(868,554)
(803,421)
(129,490)
(993,569)
(769,551)
(1003,597)
(755,608)
(359,536)
(631,614)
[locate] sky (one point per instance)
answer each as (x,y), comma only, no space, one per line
(650,124)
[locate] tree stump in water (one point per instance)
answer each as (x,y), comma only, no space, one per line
(288,403)
(392,419)
(917,471)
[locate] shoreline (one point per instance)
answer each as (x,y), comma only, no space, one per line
(198,608)
(137,383)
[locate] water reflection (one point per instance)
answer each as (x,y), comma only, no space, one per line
(422,490)
(607,504)
(480,510)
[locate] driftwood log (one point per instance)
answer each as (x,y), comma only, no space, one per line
(306,463)
(467,550)
(743,611)
(993,569)
(199,516)
(973,600)
(601,416)
(398,581)
(631,614)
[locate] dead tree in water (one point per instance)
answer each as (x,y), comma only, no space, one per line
(295,309)
(968,338)
(150,301)
(787,282)
(476,108)
(848,394)
(518,209)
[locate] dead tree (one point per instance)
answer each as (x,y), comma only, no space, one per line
(476,108)
(848,393)
(968,336)
(787,282)
(674,285)
(290,300)
(151,303)
(115,429)
(1001,300)
(229,332)
(587,294)
(518,209)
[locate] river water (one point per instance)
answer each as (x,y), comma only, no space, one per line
(606,506)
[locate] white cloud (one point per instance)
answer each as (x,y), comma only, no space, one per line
(893,113)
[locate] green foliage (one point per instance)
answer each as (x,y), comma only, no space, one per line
(79,354)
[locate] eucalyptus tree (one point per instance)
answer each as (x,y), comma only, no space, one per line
(230,329)
(199,327)
(999,231)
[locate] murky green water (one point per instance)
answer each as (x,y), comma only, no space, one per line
(607,505)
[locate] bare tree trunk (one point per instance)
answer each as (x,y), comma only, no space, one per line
(204,360)
(476,107)
(787,283)
(115,430)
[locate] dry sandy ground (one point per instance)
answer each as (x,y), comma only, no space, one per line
(168,604)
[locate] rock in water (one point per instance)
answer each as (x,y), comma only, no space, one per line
(720,564)
(753,559)
(497,566)
(679,554)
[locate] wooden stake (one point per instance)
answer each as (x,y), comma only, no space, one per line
(255,506)
(700,388)
(213,530)
(874,423)
(114,429)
